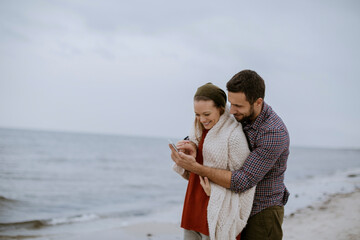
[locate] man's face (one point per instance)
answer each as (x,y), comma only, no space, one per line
(242,110)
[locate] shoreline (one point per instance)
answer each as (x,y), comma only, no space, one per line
(338,218)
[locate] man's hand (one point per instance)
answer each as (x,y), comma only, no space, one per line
(183,160)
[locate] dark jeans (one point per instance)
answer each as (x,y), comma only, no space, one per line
(265,225)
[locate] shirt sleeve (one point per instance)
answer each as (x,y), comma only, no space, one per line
(270,144)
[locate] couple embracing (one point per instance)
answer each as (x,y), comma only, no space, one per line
(234,161)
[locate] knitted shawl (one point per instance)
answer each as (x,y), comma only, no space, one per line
(225,147)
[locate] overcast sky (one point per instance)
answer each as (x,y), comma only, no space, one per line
(132,67)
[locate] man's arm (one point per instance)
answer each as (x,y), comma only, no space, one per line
(270,145)
(218,176)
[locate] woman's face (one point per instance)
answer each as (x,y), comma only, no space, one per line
(206,112)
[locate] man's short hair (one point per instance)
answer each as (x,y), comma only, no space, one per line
(248,82)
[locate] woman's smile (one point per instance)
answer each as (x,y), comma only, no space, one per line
(206,113)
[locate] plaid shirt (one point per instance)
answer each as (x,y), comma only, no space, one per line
(265,166)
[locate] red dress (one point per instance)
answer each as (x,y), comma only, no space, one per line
(194,215)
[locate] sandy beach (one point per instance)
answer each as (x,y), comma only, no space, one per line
(337,218)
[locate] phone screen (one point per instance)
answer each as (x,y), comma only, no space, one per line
(173,145)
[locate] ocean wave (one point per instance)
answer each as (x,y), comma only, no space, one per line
(4,199)
(36,224)
(317,189)
(6,203)
(7,237)
(73,219)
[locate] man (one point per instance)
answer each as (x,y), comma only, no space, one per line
(268,141)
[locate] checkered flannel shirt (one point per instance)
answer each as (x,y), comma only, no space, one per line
(265,166)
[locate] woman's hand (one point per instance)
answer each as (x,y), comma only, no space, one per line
(205,185)
(187,147)
(187,162)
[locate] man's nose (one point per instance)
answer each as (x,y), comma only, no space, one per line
(232,109)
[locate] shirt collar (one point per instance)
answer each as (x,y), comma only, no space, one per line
(259,119)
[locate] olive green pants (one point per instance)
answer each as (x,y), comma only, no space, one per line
(265,225)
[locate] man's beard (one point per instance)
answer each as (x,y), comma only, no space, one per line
(248,118)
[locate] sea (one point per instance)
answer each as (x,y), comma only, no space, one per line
(58,184)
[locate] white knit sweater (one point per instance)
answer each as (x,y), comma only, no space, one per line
(225,147)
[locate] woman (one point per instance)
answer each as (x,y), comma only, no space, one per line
(211,211)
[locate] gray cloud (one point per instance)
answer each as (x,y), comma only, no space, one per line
(131,67)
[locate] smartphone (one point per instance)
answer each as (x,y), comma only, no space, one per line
(173,145)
